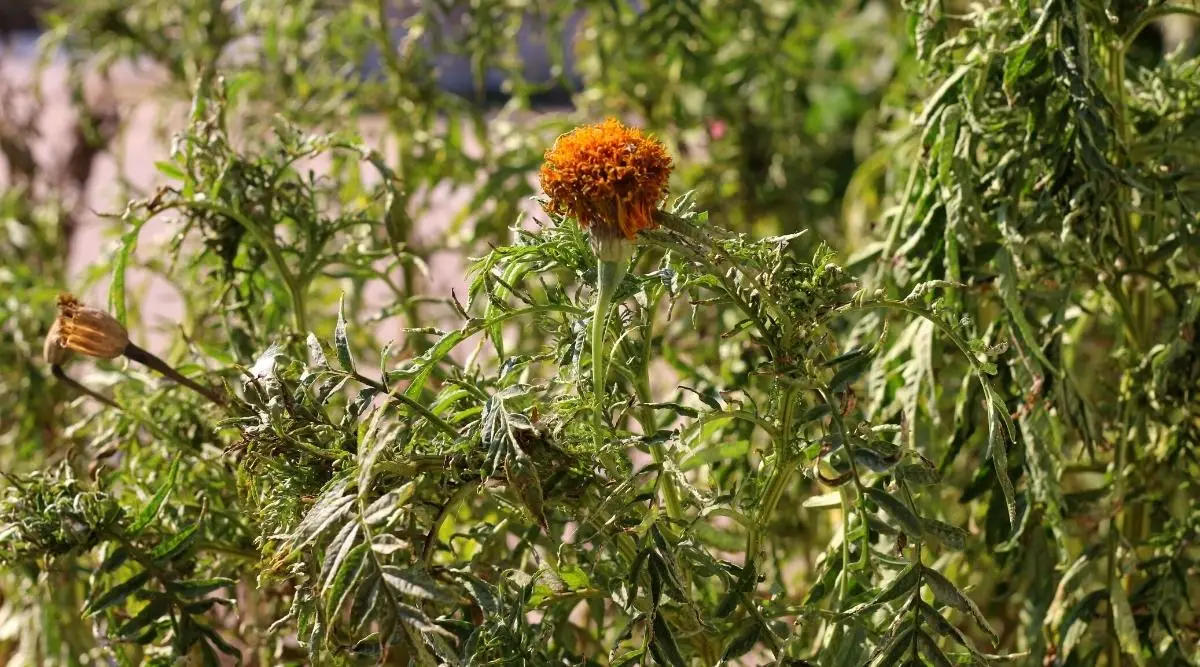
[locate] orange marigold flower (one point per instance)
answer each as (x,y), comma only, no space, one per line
(608,176)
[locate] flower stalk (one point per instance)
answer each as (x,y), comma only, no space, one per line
(609,274)
(60,373)
(149,360)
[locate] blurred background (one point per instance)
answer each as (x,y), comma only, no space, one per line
(769,107)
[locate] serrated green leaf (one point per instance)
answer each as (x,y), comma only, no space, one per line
(413,583)
(323,515)
(1007,285)
(197,587)
(346,578)
(900,585)
(152,612)
(951,537)
(170,170)
(120,264)
(336,551)
(945,628)
(175,545)
(573,577)
(383,508)
(150,511)
(116,594)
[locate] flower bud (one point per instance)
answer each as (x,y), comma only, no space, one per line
(53,351)
(89,331)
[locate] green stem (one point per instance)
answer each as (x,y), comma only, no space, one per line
(776,483)
(460,494)
(780,476)
(646,417)
(267,242)
(399,397)
(609,272)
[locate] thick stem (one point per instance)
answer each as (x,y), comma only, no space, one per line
(610,272)
(152,362)
(781,474)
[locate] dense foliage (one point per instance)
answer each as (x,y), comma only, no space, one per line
(905,373)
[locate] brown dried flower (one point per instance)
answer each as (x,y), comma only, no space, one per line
(88,331)
(53,351)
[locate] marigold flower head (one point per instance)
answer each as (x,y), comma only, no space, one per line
(608,176)
(88,331)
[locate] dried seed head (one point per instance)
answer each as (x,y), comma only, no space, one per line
(88,331)
(607,176)
(53,351)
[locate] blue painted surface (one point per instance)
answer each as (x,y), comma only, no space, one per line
(21,44)
(454,72)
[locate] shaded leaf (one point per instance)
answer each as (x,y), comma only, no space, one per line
(951,537)
(340,340)
(891,652)
(897,510)
(1126,628)
(198,587)
(997,444)
(663,644)
(949,594)
(930,650)
(742,643)
(116,594)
